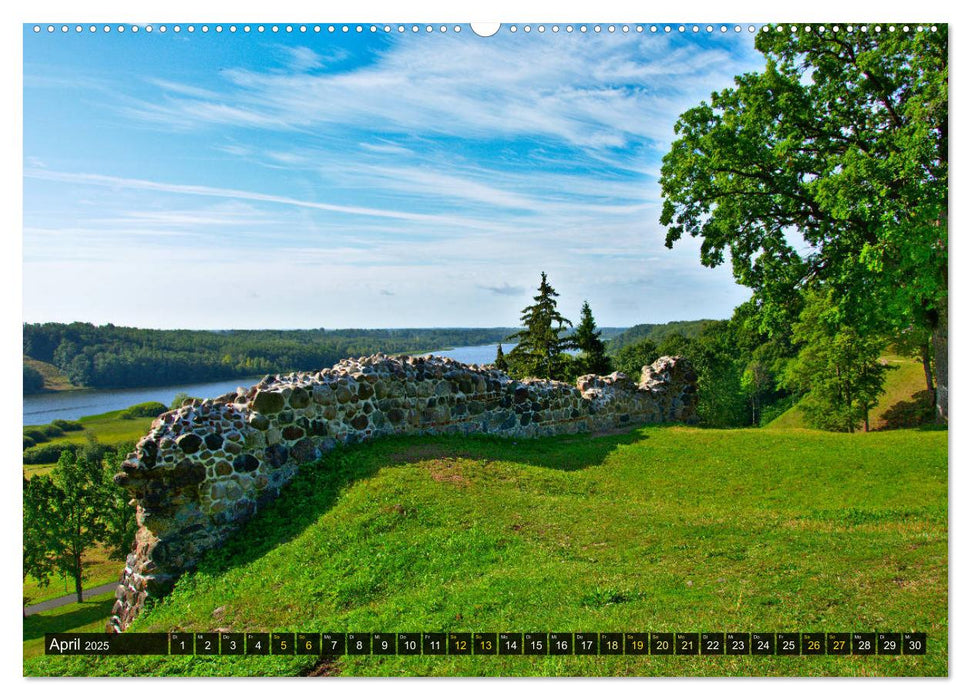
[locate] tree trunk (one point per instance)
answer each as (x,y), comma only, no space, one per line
(925,359)
(77,577)
(939,339)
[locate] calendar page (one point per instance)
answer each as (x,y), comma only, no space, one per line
(515,349)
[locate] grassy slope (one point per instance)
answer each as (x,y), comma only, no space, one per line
(54,379)
(903,382)
(663,529)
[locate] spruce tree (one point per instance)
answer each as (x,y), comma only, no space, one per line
(500,362)
(539,350)
(586,338)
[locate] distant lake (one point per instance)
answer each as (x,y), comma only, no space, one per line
(71,405)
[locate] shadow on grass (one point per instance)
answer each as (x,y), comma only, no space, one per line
(915,413)
(69,617)
(316,487)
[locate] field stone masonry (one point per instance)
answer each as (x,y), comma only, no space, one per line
(209,466)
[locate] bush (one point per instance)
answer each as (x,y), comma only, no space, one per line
(94,451)
(28,442)
(51,430)
(46,454)
(149,409)
(36,434)
(180,399)
(67,426)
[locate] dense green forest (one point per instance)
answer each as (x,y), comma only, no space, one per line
(117,356)
(656,332)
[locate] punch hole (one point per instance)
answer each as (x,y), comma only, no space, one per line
(485,29)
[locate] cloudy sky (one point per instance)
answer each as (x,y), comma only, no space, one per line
(295,180)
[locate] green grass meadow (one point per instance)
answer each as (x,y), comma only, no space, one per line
(660,529)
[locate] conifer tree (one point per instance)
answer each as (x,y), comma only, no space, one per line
(539,350)
(500,362)
(586,338)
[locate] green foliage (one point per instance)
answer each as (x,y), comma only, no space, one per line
(47,454)
(62,518)
(116,356)
(655,332)
(149,409)
(500,361)
(541,345)
(52,430)
(116,513)
(36,434)
(179,399)
(33,380)
(29,442)
(721,400)
(841,141)
(837,368)
(631,359)
(593,357)
(67,425)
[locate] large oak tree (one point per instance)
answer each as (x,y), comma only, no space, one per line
(829,167)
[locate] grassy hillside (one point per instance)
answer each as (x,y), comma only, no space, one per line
(54,379)
(659,529)
(904,403)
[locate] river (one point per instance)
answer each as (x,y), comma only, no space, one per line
(71,405)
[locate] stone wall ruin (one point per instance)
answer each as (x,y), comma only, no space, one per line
(207,467)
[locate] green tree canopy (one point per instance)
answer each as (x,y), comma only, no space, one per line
(837,368)
(33,380)
(63,516)
(830,166)
(632,358)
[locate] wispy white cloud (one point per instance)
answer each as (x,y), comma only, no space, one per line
(303,58)
(206,191)
(590,91)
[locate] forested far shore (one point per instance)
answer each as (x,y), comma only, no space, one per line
(109,356)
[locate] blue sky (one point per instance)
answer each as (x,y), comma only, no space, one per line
(217,180)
